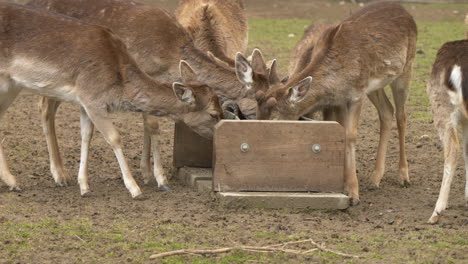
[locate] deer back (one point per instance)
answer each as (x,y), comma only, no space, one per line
(153,36)
(218,26)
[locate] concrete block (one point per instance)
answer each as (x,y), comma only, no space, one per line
(189,176)
(283,200)
(204,185)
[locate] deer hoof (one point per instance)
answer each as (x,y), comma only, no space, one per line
(15,189)
(405,184)
(373,187)
(151,182)
(86,194)
(139,197)
(433,220)
(164,188)
(354,202)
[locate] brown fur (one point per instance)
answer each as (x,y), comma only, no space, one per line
(67,60)
(301,55)
(157,42)
(377,42)
(218,26)
(154,38)
(450,54)
(448,117)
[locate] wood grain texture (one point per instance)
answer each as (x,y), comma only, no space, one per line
(190,149)
(280,156)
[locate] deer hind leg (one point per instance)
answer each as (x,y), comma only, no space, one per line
(350,125)
(8,93)
(400,88)
(451,149)
(48,110)
(151,136)
(87,130)
(385,110)
(112,136)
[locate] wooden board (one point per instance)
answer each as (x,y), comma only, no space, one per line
(190,149)
(280,157)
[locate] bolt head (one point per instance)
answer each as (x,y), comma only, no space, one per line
(244,147)
(316,148)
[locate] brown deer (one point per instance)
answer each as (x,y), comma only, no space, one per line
(157,42)
(217,26)
(67,60)
(361,55)
(448,92)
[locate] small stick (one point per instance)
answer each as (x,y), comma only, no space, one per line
(80,238)
(266,249)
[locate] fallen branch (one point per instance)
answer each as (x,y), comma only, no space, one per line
(277,248)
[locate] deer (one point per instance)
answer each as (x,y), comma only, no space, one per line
(67,60)
(447,90)
(217,26)
(358,57)
(157,42)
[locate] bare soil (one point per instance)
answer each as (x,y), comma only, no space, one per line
(391,213)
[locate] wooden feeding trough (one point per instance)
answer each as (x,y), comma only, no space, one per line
(272,164)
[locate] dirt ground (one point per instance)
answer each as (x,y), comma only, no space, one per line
(391,213)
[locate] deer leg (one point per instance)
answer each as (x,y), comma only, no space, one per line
(112,136)
(451,149)
(151,142)
(87,130)
(385,110)
(48,110)
(351,123)
(8,94)
(400,94)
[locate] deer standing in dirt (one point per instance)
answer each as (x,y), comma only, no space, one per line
(67,60)
(358,57)
(157,42)
(448,92)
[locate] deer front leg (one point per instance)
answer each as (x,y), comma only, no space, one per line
(350,177)
(451,149)
(48,110)
(151,125)
(112,136)
(87,130)
(385,109)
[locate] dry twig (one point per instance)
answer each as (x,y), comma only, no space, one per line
(278,248)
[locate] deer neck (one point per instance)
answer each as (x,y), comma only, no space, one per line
(223,80)
(153,97)
(323,90)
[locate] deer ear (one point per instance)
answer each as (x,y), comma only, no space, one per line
(218,61)
(186,72)
(258,63)
(244,71)
(274,78)
(183,93)
(297,93)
